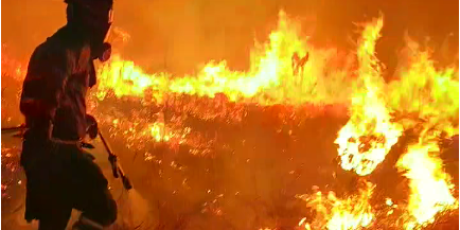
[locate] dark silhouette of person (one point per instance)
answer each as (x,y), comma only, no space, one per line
(60,175)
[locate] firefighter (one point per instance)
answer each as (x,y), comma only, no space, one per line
(60,175)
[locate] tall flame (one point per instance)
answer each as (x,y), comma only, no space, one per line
(430,187)
(425,93)
(369,134)
(274,77)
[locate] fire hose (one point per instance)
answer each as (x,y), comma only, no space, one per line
(117,170)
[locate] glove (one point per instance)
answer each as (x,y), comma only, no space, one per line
(105,52)
(92,128)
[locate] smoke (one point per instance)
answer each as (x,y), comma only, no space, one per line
(178,36)
(135,210)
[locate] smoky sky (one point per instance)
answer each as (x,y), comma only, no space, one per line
(180,35)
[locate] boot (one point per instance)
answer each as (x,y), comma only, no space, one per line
(86,224)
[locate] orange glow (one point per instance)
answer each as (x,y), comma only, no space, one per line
(353,212)
(270,79)
(369,134)
(422,97)
(430,187)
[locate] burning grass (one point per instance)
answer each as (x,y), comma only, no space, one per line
(203,138)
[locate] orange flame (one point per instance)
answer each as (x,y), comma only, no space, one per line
(333,213)
(274,77)
(369,135)
(379,111)
(424,92)
(431,189)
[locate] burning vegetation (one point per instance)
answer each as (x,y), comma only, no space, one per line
(292,80)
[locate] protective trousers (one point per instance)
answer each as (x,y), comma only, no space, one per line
(61,177)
